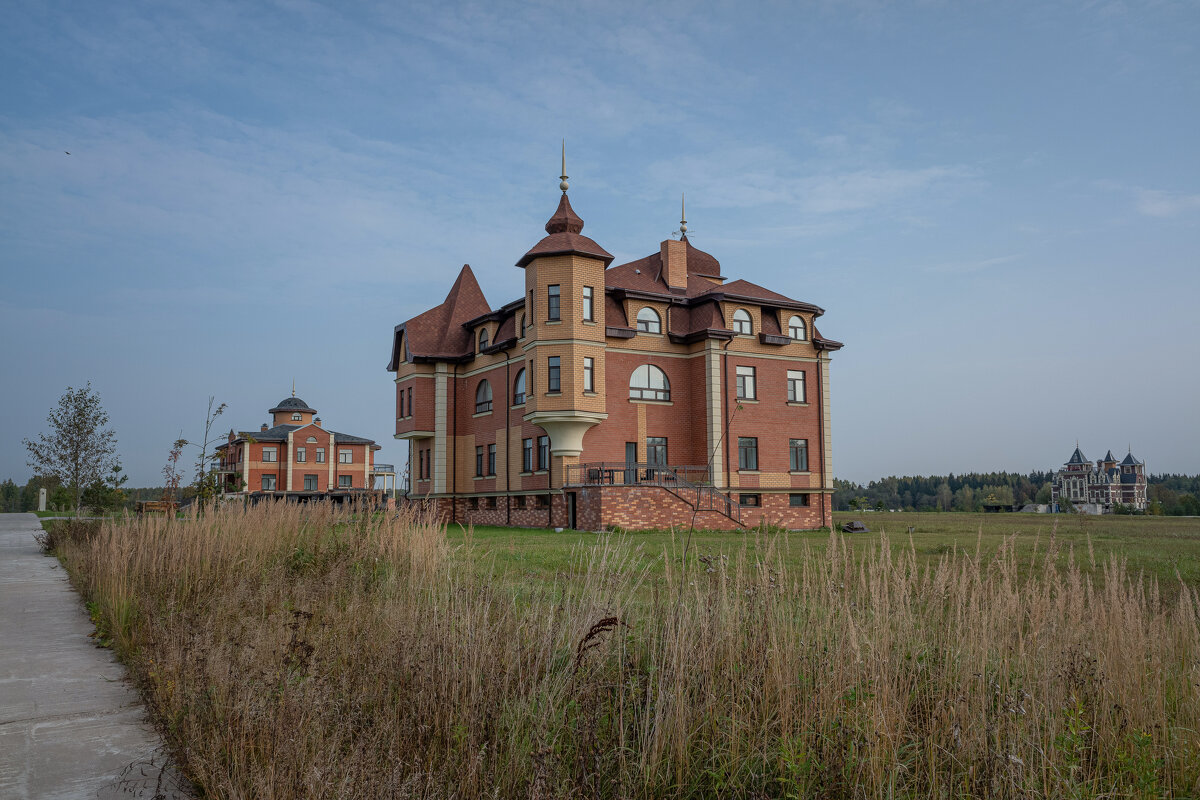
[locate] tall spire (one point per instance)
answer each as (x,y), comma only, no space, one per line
(682,215)
(562,179)
(293,387)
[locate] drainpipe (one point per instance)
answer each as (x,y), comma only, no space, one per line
(821,437)
(454,454)
(507,441)
(726,417)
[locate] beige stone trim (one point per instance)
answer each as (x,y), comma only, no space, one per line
(291,461)
(441,414)
(715,414)
(331,461)
(827,460)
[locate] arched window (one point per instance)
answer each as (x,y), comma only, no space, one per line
(483,397)
(521,325)
(741,321)
(483,339)
(312,440)
(519,388)
(648,321)
(296,417)
(796,329)
(648,382)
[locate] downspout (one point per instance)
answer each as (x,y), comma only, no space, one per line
(726,419)
(454,454)
(821,437)
(507,441)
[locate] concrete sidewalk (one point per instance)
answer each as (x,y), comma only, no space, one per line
(70,724)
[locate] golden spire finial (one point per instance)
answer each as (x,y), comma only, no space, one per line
(562,179)
(682,215)
(293,387)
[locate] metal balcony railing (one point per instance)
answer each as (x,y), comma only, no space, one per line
(384,469)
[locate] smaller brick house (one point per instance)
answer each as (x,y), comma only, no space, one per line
(295,456)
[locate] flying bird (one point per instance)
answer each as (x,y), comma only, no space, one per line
(68,152)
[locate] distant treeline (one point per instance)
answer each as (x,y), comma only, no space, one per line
(1173,495)
(16,498)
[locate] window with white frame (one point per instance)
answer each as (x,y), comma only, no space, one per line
(648,321)
(320,455)
(301,455)
(310,483)
(742,322)
(345,481)
(345,456)
(270,454)
(589,304)
(297,417)
(796,390)
(746,389)
(797,330)
(589,374)
(268,483)
(648,382)
(483,397)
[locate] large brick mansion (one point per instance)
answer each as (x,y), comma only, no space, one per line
(648,394)
(1096,489)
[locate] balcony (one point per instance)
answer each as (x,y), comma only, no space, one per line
(227,469)
(383,469)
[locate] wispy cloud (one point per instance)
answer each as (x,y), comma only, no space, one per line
(977,265)
(1158,203)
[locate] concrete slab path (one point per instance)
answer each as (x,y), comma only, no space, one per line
(71,726)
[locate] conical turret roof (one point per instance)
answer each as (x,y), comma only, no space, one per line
(564,227)
(1077,457)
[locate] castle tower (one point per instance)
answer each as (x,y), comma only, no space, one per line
(564,330)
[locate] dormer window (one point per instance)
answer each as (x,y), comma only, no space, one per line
(483,339)
(796,329)
(296,417)
(741,322)
(648,321)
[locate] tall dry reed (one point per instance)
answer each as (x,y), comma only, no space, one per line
(305,652)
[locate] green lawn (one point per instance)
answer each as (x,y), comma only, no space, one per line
(1162,547)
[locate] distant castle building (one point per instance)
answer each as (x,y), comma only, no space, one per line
(1096,489)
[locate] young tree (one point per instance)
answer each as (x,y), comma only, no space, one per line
(79,449)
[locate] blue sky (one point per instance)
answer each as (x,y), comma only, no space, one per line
(998,205)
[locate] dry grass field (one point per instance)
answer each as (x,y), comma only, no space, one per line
(293,652)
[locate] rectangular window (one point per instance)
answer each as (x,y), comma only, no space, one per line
(345,481)
(795,379)
(345,456)
(527,455)
(798,455)
(410,411)
(269,454)
(428,463)
(491,463)
(588,305)
(301,455)
(310,483)
(320,455)
(400,413)
(589,374)
(745,383)
(543,452)
(798,500)
(420,465)
(554,376)
(478,462)
(750,499)
(268,483)
(747,453)
(553,299)
(656,451)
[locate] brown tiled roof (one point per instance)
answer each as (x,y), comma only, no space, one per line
(753,291)
(614,312)
(700,262)
(770,323)
(564,237)
(439,332)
